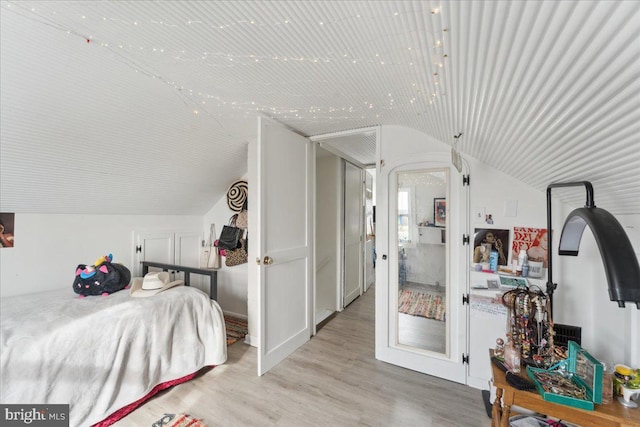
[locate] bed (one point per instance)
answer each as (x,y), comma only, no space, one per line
(101,354)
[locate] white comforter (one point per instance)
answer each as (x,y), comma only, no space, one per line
(99,354)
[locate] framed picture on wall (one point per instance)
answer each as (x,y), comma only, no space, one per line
(440,212)
(486,240)
(534,241)
(7,221)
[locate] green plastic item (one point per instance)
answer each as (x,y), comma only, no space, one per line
(583,370)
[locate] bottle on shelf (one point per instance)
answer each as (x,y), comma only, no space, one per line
(522,258)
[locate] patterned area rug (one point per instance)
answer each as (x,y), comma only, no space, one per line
(422,304)
(236,328)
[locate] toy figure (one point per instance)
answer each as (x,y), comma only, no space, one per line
(101,278)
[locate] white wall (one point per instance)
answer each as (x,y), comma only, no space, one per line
(232,281)
(490,190)
(609,333)
(328,193)
(48,248)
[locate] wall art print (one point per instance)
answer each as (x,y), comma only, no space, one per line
(7,221)
(496,239)
(534,240)
(440,212)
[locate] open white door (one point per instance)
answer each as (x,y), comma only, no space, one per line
(283,229)
(420,263)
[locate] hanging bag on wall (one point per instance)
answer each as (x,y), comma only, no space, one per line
(210,254)
(237,256)
(230,236)
(214,256)
(205,253)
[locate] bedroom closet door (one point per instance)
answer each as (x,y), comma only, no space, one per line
(170,247)
(284,232)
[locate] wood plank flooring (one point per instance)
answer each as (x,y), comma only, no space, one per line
(333,380)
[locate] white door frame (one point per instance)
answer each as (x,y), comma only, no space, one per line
(333,135)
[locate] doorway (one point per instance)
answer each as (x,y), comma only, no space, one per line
(344,220)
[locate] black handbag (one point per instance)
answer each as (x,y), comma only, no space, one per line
(230,236)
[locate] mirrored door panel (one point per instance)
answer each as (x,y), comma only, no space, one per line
(422,290)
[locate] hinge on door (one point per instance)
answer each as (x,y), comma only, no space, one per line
(465,239)
(465,299)
(138,249)
(466,180)
(465,358)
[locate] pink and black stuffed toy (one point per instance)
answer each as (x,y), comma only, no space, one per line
(101,278)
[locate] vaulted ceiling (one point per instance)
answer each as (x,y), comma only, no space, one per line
(147,106)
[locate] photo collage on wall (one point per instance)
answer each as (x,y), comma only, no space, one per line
(508,245)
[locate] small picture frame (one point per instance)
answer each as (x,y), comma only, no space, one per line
(492,284)
(440,212)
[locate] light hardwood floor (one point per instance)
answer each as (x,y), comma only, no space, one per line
(333,380)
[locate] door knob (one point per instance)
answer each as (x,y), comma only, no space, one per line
(258,260)
(268,260)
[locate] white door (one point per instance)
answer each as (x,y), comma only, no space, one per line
(412,274)
(187,253)
(284,244)
(187,249)
(153,246)
(353,234)
(179,248)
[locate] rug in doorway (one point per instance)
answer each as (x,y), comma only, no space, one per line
(236,328)
(422,304)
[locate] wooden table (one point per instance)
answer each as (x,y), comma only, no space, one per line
(212,273)
(613,414)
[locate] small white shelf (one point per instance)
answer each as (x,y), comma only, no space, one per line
(481,277)
(432,235)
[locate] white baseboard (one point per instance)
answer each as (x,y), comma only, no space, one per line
(250,341)
(239,316)
(479,383)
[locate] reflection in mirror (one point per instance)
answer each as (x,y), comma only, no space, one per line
(422,258)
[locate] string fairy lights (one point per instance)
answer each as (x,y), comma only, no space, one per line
(147,58)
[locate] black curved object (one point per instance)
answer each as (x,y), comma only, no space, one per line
(619,259)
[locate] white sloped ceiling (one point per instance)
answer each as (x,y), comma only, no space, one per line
(147,106)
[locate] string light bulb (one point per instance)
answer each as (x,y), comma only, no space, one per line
(215,59)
